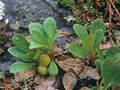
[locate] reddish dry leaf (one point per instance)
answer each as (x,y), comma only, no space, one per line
(67,63)
(78,66)
(105,46)
(46,84)
(25,75)
(8,87)
(5,83)
(90,72)
(69,80)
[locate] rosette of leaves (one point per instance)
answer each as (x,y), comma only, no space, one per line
(42,41)
(43,36)
(21,50)
(109,68)
(91,37)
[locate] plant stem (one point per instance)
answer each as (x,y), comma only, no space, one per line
(104,88)
(100,87)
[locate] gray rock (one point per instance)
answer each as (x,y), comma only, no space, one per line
(2,8)
(26,11)
(20,13)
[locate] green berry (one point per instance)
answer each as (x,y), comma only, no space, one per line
(44,60)
(43,70)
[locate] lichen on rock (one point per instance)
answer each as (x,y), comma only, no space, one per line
(2,10)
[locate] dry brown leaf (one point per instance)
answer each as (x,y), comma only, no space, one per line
(38,79)
(78,66)
(8,87)
(67,63)
(77,13)
(62,34)
(69,80)
(21,76)
(90,72)
(5,83)
(85,88)
(116,87)
(2,84)
(106,46)
(46,84)
(58,51)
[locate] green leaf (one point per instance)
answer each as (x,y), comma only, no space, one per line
(99,35)
(116,77)
(112,51)
(94,88)
(117,57)
(98,63)
(18,53)
(77,50)
(97,88)
(87,27)
(20,41)
(110,73)
(53,69)
(97,25)
(100,54)
(37,54)
(20,66)
(27,60)
(50,28)
(34,45)
(80,31)
(107,72)
(88,44)
(39,38)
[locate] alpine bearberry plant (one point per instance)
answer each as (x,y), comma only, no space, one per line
(107,61)
(91,38)
(38,50)
(109,66)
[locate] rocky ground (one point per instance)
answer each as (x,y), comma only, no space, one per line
(19,13)
(25,11)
